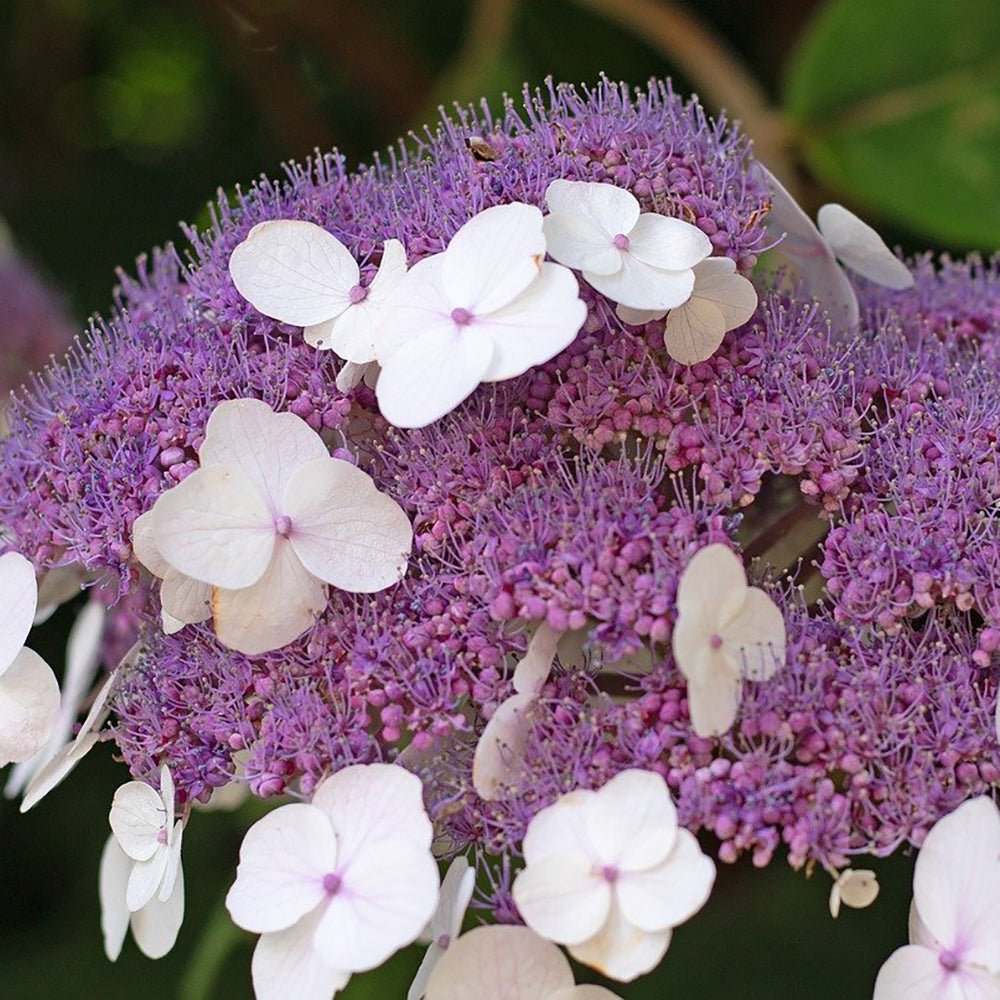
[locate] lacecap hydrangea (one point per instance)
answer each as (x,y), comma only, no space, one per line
(852,467)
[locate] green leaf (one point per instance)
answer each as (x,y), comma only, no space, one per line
(896,103)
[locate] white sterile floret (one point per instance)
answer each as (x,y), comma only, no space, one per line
(83,657)
(485,310)
(29,691)
(954,949)
(861,249)
(298,273)
(722,300)
(141,881)
(639,259)
(257,533)
(507,963)
(726,631)
(446,924)
(856,888)
(335,886)
(609,874)
(500,749)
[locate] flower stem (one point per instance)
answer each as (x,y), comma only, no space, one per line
(218,939)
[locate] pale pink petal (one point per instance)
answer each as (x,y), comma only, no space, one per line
(367,803)
(351,375)
(861,248)
(57,586)
(500,963)
(694,331)
(18,600)
(416,305)
(145,879)
(29,707)
(609,209)
(916,973)
(584,992)
(638,317)
(493,258)
(755,636)
(856,888)
(184,599)
(283,860)
(137,816)
(286,966)
(112,879)
(267,446)
(716,280)
(215,527)
(500,750)
(432,373)
(565,898)
(667,244)
(155,927)
(283,604)
(559,828)
(456,891)
(641,286)
(344,530)
(631,821)
(714,571)
(388,894)
(173,866)
(144,546)
(536,326)
(576,242)
(714,702)
(621,951)
(295,272)
(670,893)
(533,669)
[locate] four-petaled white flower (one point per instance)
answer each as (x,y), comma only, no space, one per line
(954,949)
(726,631)
(638,259)
(336,886)
(29,691)
(722,300)
(854,887)
(298,273)
(486,309)
(446,924)
(507,963)
(83,657)
(141,880)
(500,750)
(609,873)
(267,522)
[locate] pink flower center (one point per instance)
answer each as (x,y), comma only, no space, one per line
(621,242)
(443,940)
(949,960)
(357,294)
(715,641)
(283,525)
(609,873)
(161,836)
(332,883)
(461,317)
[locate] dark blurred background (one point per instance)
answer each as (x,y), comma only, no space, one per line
(122,117)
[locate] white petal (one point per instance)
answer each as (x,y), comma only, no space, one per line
(418,988)
(493,257)
(500,750)
(559,828)
(417,305)
(714,702)
(608,208)
(155,927)
(18,600)
(500,963)
(714,573)
(756,635)
(173,866)
(186,600)
(295,272)
(716,280)
(388,894)
(563,898)
(857,888)
(283,604)
(29,707)
(267,446)
(642,286)
(145,879)
(283,860)
(805,248)
(351,375)
(58,586)
(667,244)
(286,966)
(956,883)
(390,271)
(861,248)
(638,317)
(432,373)
(137,816)
(216,527)
(368,803)
(916,973)
(631,821)
(621,951)
(584,992)
(456,891)
(536,326)
(576,242)
(344,529)
(672,892)
(351,335)
(533,669)
(112,879)
(144,546)
(694,331)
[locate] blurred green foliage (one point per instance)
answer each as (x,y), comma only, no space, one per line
(120,118)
